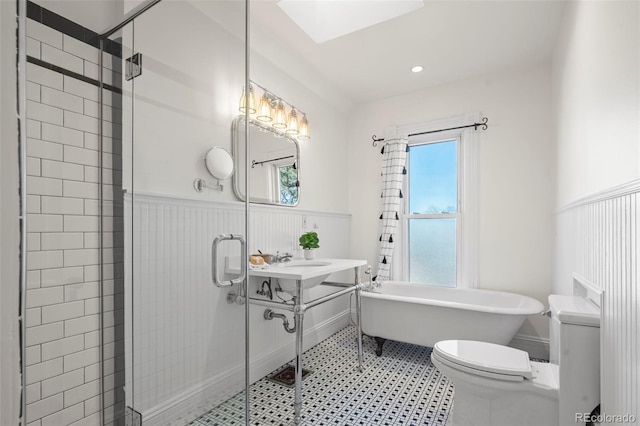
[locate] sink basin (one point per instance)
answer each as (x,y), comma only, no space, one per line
(289,285)
(310,273)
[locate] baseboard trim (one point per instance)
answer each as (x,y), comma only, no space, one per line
(189,404)
(536,347)
(194,401)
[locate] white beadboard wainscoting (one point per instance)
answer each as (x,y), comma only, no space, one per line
(597,241)
(188,342)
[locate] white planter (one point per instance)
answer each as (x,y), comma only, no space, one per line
(309,254)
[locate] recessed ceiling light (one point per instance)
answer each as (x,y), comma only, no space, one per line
(416,68)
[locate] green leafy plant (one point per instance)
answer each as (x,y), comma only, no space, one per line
(309,240)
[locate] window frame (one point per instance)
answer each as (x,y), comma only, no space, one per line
(406,215)
(468,194)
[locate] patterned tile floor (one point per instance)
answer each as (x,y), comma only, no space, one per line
(401,387)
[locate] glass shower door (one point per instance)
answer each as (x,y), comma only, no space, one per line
(179,347)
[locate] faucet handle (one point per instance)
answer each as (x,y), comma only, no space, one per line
(285,257)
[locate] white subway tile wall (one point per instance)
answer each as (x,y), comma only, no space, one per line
(63,317)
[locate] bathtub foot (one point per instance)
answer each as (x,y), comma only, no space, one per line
(380,341)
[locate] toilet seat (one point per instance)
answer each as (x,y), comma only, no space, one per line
(485,359)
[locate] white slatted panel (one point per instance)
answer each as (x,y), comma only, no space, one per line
(188,341)
(179,316)
(274,229)
(597,238)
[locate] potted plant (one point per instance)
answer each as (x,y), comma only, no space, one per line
(309,241)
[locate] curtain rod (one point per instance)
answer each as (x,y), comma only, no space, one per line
(255,163)
(484,125)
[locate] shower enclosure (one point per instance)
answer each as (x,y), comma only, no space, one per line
(173,347)
(123,323)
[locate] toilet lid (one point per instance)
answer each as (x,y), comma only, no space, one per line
(485,357)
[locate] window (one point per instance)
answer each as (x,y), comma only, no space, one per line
(437,240)
(288,184)
(432,212)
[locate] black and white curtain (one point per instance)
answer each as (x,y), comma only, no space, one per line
(394,159)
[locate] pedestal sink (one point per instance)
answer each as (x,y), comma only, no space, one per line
(294,277)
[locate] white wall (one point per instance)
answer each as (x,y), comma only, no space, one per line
(201,87)
(516,174)
(99,16)
(323,158)
(9,224)
(596,82)
(184,102)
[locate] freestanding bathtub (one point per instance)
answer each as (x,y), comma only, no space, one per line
(423,314)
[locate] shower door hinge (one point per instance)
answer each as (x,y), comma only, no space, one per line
(134,66)
(132,417)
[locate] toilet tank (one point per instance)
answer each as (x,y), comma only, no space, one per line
(575,348)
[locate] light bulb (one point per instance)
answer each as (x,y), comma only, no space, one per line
(251,101)
(304,129)
(292,124)
(279,117)
(264,109)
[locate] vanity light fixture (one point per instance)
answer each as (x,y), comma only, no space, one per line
(249,101)
(416,68)
(274,112)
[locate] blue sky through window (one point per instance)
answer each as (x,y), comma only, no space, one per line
(433,178)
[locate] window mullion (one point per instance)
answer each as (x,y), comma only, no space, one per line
(432,215)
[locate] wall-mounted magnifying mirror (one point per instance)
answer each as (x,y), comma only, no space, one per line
(219,164)
(274,164)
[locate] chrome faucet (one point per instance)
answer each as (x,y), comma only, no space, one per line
(284,258)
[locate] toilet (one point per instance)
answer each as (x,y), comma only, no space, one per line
(497,385)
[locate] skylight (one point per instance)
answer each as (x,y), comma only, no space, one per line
(325,20)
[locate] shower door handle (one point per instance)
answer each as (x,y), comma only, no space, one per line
(214,260)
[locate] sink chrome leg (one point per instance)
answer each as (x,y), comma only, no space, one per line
(359,318)
(299,316)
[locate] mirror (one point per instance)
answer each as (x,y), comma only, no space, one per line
(274,164)
(219,163)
